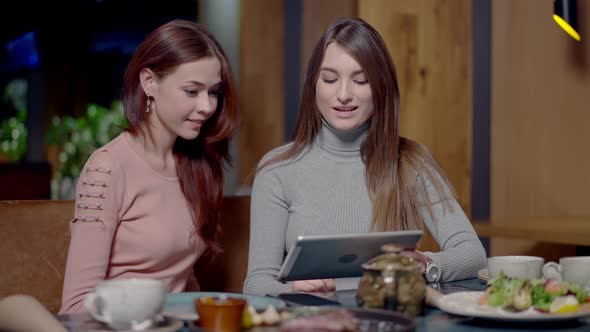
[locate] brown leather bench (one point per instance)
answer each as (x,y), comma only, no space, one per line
(34,240)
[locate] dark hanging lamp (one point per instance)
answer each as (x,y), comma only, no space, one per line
(565,13)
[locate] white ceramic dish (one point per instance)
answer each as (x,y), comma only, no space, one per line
(466,304)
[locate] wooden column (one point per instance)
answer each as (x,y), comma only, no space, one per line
(261,82)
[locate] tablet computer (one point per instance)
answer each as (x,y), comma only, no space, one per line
(340,255)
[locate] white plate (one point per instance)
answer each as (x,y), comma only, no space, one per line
(466,304)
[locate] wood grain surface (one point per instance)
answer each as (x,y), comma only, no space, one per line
(539,123)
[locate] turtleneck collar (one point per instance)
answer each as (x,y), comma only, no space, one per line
(339,144)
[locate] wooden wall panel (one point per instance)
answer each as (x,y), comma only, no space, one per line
(540,118)
(316,16)
(261,82)
(430,41)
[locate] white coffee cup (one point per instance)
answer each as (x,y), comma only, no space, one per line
(571,269)
(526,267)
(125,304)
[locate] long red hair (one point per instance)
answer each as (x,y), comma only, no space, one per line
(199,162)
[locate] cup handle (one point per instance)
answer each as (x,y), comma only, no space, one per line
(90,303)
(552,270)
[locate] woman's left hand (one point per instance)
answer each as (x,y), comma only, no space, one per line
(417,256)
(312,286)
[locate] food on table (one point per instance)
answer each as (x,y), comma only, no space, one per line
(543,295)
(247,318)
(321,320)
(585,307)
(251,317)
(271,316)
(564,305)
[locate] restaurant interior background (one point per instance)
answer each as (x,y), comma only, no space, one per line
(495,89)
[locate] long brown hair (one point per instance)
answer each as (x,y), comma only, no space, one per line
(199,162)
(392,162)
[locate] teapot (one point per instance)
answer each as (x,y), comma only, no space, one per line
(392,281)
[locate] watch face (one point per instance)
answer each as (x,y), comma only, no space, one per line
(431,273)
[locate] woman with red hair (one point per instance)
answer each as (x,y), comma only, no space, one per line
(147,202)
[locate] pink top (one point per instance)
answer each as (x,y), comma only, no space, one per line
(130,222)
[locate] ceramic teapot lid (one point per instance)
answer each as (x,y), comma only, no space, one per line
(392,259)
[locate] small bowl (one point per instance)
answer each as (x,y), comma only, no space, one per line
(220,313)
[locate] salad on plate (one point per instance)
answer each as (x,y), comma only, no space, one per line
(541,295)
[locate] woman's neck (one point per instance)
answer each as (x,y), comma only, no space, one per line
(342,144)
(157,148)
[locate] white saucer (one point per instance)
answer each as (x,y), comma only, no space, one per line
(168,324)
(181,312)
(483,275)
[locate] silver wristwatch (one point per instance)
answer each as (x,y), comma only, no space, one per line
(432,272)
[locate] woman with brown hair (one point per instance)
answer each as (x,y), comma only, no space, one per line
(147,202)
(347,170)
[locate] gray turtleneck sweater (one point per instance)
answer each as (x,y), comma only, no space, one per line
(323,191)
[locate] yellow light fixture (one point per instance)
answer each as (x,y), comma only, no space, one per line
(566,15)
